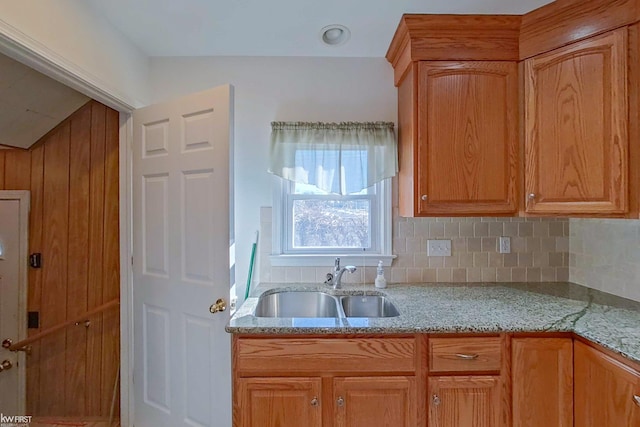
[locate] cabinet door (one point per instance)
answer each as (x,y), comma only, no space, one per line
(542,381)
(465,402)
(468,138)
(576,144)
(375,401)
(607,393)
(278,402)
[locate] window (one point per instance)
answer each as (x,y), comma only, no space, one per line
(321,209)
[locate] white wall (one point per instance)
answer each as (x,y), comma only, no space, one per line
(277,88)
(71,30)
(604,255)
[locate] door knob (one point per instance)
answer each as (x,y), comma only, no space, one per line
(5,365)
(220,305)
(340,401)
(7,343)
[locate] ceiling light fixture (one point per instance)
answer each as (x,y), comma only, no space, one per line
(335,35)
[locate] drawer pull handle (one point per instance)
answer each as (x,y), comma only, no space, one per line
(466,356)
(340,401)
(435,399)
(314,401)
(636,399)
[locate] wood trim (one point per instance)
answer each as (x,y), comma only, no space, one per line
(453,38)
(633,77)
(21,344)
(23,48)
(566,21)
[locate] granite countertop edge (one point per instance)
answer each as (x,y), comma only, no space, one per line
(610,321)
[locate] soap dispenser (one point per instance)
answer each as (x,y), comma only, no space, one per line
(380,282)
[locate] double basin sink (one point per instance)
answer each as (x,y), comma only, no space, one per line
(320,304)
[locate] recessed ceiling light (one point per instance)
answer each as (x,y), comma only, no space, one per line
(335,35)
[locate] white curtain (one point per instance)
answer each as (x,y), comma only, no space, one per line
(341,158)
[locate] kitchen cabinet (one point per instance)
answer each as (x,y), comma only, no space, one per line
(457,115)
(467,401)
(375,401)
(542,382)
(576,118)
(467,138)
(607,392)
(327,381)
(279,402)
(465,384)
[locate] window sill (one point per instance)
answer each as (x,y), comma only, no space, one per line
(304,260)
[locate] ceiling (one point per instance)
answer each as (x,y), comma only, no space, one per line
(276,27)
(31,104)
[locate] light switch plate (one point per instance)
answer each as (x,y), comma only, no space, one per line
(505,245)
(438,247)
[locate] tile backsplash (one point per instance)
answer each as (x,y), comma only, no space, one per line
(605,255)
(539,252)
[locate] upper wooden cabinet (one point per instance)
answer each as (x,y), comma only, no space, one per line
(457,114)
(576,144)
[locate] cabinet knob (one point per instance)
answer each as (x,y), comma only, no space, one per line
(435,399)
(5,365)
(314,401)
(340,401)
(423,197)
(636,399)
(532,196)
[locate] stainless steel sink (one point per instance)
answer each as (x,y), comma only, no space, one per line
(297,304)
(368,306)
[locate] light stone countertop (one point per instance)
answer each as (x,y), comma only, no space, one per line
(608,320)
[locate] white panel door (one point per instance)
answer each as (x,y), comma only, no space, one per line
(14,218)
(181,220)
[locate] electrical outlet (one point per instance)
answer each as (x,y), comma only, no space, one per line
(505,245)
(438,247)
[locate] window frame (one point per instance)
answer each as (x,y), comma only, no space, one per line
(381,233)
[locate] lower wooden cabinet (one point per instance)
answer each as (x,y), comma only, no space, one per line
(542,382)
(278,402)
(607,392)
(474,401)
(375,401)
(296,402)
(472,381)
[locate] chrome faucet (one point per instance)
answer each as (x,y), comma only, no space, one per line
(335,279)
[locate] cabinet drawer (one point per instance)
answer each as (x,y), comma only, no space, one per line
(465,354)
(255,356)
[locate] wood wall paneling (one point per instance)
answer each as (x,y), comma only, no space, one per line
(54,285)
(34,295)
(95,251)
(77,288)
(111,263)
(72,174)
